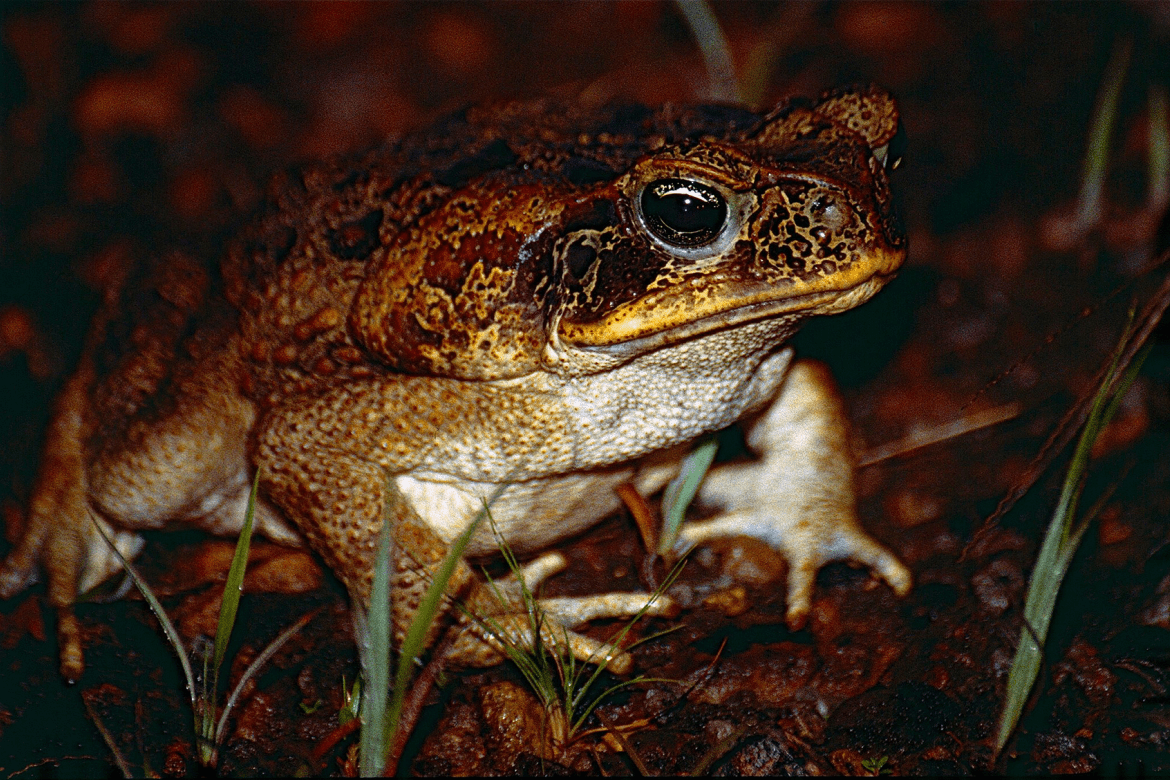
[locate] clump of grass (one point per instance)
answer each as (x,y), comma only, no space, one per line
(562,684)
(1060,543)
(203,691)
(381,708)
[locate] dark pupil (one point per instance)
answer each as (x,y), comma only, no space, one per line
(683,213)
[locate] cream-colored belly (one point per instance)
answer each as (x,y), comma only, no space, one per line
(530,515)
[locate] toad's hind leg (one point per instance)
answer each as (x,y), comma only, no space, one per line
(182,459)
(60,527)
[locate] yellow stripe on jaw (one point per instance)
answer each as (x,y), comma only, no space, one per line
(661,312)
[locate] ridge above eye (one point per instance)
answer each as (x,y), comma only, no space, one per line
(683,213)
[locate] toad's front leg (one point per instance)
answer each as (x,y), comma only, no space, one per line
(799,495)
(340,502)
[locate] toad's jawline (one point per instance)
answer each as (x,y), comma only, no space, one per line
(811,303)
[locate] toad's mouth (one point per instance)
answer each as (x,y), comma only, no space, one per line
(644,328)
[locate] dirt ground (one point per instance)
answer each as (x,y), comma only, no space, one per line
(132,125)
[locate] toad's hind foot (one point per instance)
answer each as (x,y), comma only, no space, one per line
(76,559)
(18,571)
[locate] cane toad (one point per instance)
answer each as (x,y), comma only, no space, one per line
(533,301)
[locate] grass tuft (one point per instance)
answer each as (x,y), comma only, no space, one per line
(381,709)
(210,732)
(559,681)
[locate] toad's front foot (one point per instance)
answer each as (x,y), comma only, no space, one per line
(500,619)
(807,543)
(799,496)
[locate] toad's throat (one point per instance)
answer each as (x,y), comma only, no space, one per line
(640,329)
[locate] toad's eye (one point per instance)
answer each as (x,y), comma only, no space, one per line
(683,213)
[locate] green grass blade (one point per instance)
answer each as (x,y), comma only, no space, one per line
(157,608)
(713,46)
(1089,203)
(681,491)
(373,742)
(257,663)
(1060,544)
(428,610)
(205,707)
(233,588)
(1158,167)
(1121,387)
(107,737)
(351,700)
